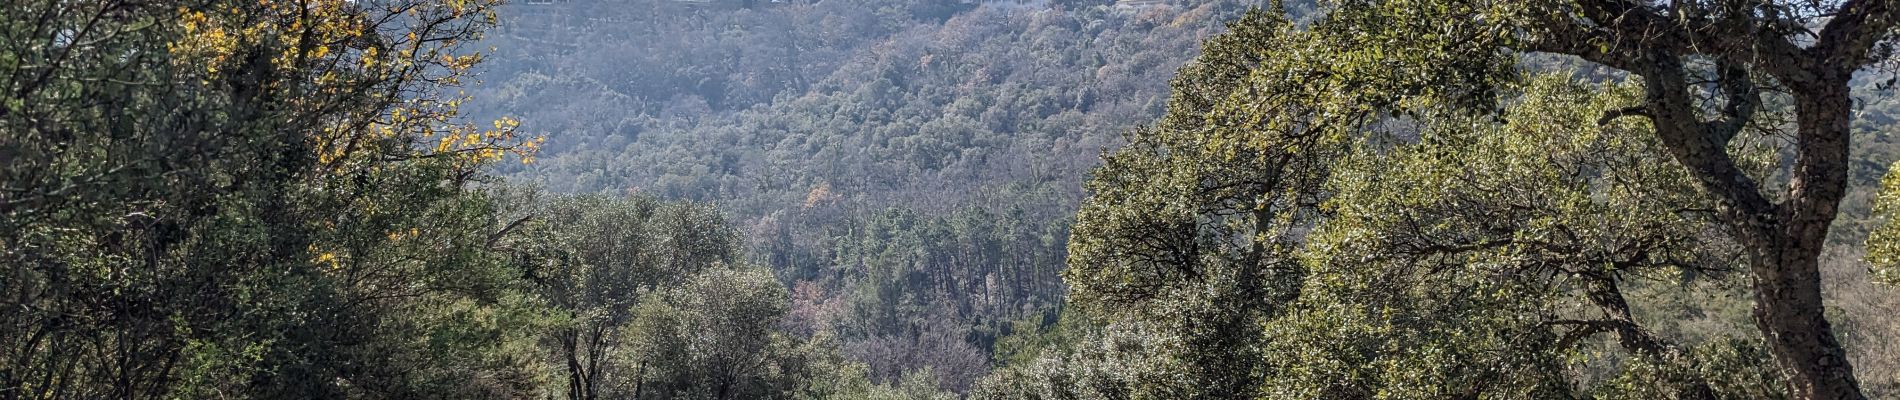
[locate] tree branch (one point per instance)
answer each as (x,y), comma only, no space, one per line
(1613,115)
(1625,35)
(1743,100)
(492,238)
(1846,41)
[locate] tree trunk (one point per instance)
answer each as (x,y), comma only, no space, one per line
(1784,240)
(1787,246)
(579,384)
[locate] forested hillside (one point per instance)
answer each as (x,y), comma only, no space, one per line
(943,199)
(909,168)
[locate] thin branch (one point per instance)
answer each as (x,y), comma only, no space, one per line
(1613,115)
(492,238)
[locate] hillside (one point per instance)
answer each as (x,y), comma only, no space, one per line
(909,168)
(949,199)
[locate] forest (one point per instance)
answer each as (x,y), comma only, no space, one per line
(949,199)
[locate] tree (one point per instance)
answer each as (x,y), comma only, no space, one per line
(1194,227)
(590,257)
(1491,246)
(253,199)
(593,258)
(1808,51)
(651,301)
(713,337)
(1221,214)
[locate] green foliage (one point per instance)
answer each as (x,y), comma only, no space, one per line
(1363,199)
(1883,244)
(1501,236)
(247,199)
(1031,337)
(1196,224)
(712,336)
(274,200)
(1318,217)
(1732,367)
(653,301)
(1124,360)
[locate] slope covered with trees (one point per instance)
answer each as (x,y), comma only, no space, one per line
(909,168)
(928,199)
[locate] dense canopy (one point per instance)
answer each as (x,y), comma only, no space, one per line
(940,199)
